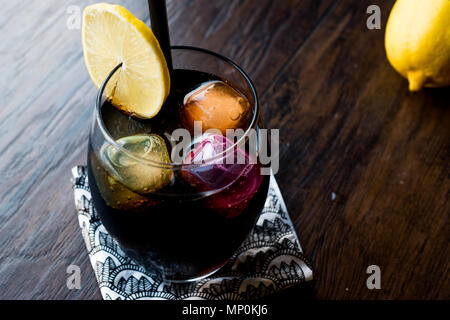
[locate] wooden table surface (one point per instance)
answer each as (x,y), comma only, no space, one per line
(348,126)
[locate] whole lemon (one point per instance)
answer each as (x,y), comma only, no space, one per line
(418,42)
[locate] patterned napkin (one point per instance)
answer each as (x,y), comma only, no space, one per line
(269,260)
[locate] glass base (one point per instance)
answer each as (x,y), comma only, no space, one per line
(155,270)
(194,279)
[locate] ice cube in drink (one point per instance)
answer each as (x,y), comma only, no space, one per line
(233,171)
(128,167)
(217,105)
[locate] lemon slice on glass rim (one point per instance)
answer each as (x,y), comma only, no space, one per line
(112,35)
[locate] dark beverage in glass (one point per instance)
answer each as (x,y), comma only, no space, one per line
(181,220)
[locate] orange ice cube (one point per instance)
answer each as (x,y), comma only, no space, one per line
(217,105)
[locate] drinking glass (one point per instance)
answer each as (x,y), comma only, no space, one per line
(191,226)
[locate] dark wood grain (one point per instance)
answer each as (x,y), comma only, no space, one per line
(348,127)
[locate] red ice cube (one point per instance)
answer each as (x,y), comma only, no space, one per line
(232,177)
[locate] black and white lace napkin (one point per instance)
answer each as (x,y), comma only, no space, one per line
(269,260)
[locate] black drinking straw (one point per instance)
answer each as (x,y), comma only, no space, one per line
(160,27)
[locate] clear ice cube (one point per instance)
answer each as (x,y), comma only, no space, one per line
(136,174)
(217,105)
(231,184)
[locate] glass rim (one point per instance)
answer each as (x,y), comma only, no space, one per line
(206,161)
